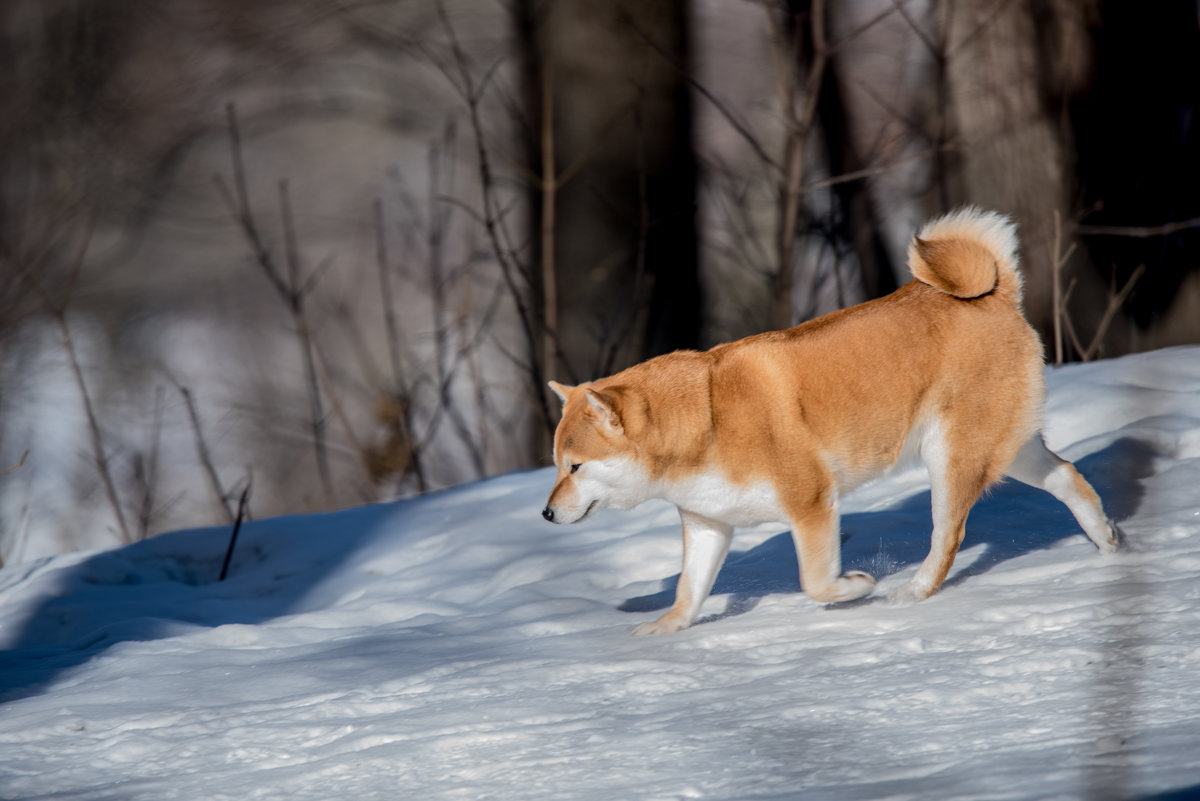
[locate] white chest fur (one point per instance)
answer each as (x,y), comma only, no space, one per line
(712,495)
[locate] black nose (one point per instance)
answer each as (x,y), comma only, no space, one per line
(548,513)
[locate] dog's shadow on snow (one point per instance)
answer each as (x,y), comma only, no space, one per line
(1010,520)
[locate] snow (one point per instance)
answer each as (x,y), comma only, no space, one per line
(456,646)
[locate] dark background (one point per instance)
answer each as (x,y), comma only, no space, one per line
(331,250)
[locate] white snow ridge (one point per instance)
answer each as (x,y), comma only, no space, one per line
(458,647)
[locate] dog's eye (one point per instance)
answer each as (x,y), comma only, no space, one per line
(575,467)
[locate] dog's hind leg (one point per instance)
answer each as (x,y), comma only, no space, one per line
(705,544)
(1040,467)
(819,550)
(956,481)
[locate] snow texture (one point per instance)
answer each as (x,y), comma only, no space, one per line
(457,647)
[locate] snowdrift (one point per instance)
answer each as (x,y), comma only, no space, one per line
(457,647)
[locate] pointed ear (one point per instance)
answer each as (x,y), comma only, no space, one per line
(605,410)
(560,390)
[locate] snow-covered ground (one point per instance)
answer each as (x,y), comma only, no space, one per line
(458,647)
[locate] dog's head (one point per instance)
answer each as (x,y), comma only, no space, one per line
(597,466)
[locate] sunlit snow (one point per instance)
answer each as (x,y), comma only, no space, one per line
(458,647)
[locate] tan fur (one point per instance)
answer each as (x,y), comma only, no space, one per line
(789,420)
(959,267)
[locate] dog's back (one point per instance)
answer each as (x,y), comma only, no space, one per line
(949,350)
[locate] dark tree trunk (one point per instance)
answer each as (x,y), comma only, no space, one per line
(1136,134)
(624,239)
(855,220)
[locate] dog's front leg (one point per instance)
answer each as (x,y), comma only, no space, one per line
(705,543)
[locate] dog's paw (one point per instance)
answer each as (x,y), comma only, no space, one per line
(667,624)
(858,583)
(1116,540)
(850,586)
(909,593)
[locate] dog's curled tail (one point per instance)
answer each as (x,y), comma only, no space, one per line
(968,253)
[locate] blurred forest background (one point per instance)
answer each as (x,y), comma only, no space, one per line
(331,250)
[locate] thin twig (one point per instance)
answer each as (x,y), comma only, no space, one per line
(1058,260)
(1115,301)
(390,321)
(291,288)
(98,452)
(150,480)
(441,219)
(239,203)
(237,525)
(446,409)
(508,266)
(16,466)
(1056,288)
(296,304)
(922,34)
(1069,326)
(627,322)
(58,310)
(202,452)
(550,186)
(20,525)
(997,9)
(1138,231)
(336,407)
(738,126)
(867,25)
(799,126)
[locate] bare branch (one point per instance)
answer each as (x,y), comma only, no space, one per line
(98,450)
(391,324)
(866,26)
(799,125)
(997,9)
(238,202)
(58,310)
(237,525)
(1138,231)
(289,288)
(210,471)
(16,466)
(1066,318)
(550,184)
(1115,301)
(492,225)
(1057,260)
(869,172)
(150,477)
(926,39)
(740,127)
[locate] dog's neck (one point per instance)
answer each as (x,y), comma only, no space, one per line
(665,406)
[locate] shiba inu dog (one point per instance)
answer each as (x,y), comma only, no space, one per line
(775,427)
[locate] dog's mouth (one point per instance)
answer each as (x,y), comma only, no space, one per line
(588,511)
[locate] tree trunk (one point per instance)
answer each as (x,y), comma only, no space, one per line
(623,243)
(1010,156)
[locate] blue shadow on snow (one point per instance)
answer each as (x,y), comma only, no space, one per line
(158,587)
(1011,519)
